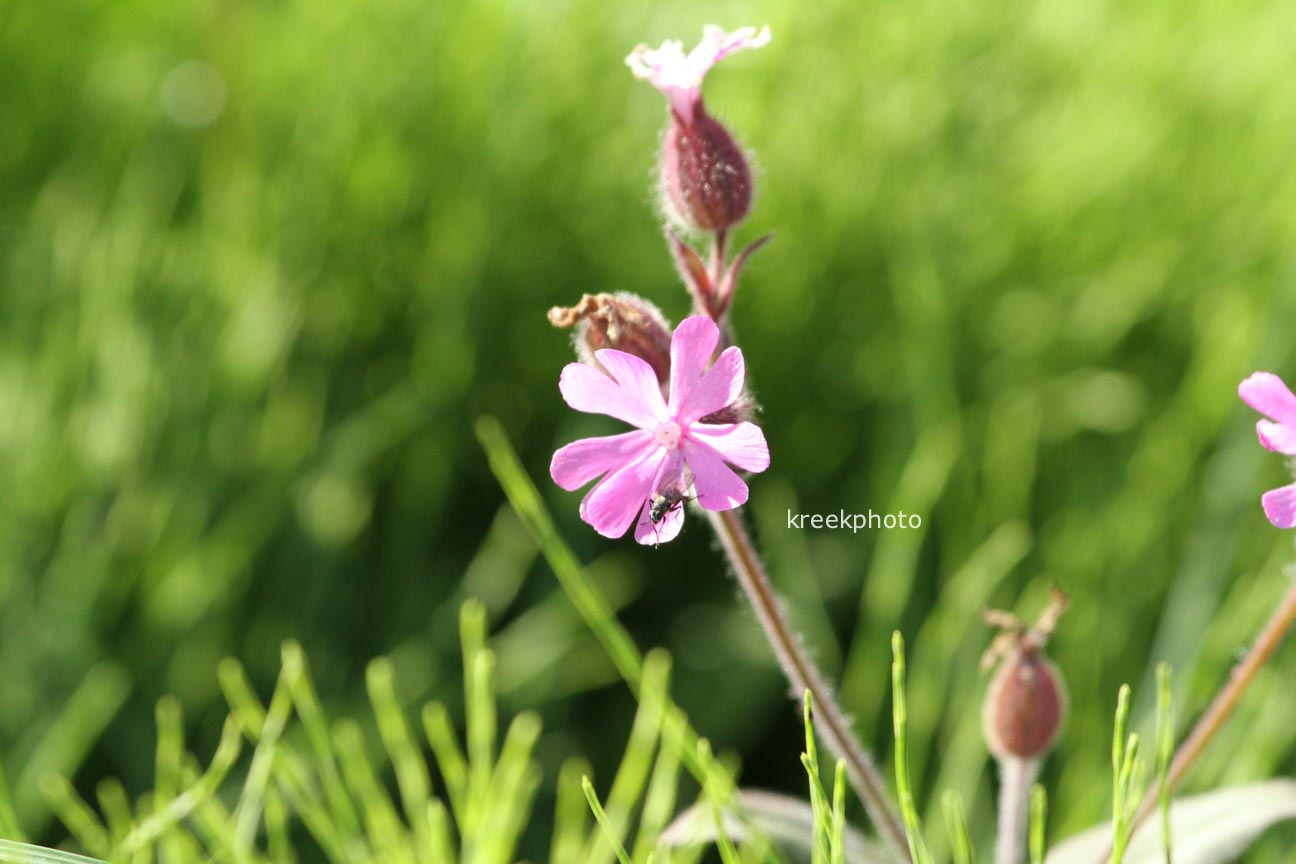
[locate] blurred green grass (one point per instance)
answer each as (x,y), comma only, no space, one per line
(262,264)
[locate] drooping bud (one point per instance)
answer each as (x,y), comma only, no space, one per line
(621,321)
(705,180)
(1027,700)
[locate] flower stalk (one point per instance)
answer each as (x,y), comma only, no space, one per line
(706,188)
(802,673)
(1226,701)
(1276,431)
(830,723)
(1022,715)
(1016,776)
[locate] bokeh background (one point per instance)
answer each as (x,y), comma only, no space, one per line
(263,263)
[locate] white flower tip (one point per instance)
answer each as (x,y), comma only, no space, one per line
(648,63)
(726,43)
(679,75)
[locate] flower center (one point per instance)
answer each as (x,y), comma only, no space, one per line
(668,435)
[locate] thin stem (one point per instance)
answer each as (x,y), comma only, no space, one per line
(718,257)
(715,307)
(1226,700)
(831,724)
(797,665)
(1016,775)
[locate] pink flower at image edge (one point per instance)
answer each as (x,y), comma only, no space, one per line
(668,436)
(1267,393)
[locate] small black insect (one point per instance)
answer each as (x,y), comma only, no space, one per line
(663,503)
(669,497)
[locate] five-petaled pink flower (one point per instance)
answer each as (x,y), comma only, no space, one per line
(670,445)
(679,75)
(1267,393)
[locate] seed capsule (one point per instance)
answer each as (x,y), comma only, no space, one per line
(621,321)
(1025,706)
(1026,703)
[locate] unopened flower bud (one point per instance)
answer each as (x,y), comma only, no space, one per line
(705,180)
(1026,703)
(621,321)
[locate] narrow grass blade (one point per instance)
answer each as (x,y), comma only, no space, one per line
(411,771)
(601,818)
(526,502)
(788,822)
(87,712)
(900,720)
(1214,828)
(8,819)
(22,853)
(956,824)
(1039,818)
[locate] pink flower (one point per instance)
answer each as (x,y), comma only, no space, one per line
(1267,393)
(670,448)
(679,75)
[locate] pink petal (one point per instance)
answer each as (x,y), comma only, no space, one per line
(637,378)
(718,487)
(581,461)
(719,388)
(1276,437)
(692,345)
(611,506)
(717,44)
(1280,506)
(664,531)
(1266,392)
(668,69)
(678,75)
(741,444)
(587,389)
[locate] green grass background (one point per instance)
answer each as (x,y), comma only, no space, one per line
(1025,252)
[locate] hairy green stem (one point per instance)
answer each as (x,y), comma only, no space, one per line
(830,723)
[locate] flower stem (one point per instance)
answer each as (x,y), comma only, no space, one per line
(800,670)
(830,723)
(714,306)
(718,255)
(1221,708)
(1015,778)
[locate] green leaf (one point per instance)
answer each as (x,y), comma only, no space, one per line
(22,853)
(786,821)
(1213,828)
